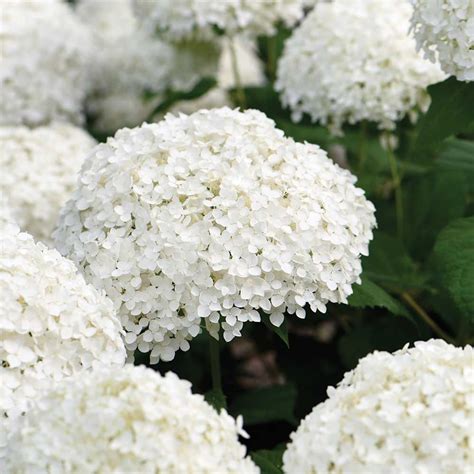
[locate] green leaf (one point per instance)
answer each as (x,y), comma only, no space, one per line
(263,98)
(383,334)
(458,155)
(451,112)
(201,88)
(276,403)
(431,202)
(370,295)
(216,399)
(304,133)
(390,266)
(453,258)
(281,331)
(269,461)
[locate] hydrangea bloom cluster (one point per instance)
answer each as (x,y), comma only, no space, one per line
(131,63)
(6,214)
(184,19)
(127,420)
(45,57)
(52,324)
(211,218)
(368,69)
(410,411)
(444,29)
(39,171)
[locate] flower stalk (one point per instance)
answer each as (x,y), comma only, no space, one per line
(214,355)
(397,187)
(237,79)
(425,317)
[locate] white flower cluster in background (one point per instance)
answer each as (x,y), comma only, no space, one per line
(6,213)
(127,420)
(410,411)
(44,74)
(39,172)
(184,19)
(209,219)
(444,29)
(353,60)
(130,64)
(127,64)
(52,324)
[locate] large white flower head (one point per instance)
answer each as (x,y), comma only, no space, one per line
(444,29)
(39,171)
(52,324)
(209,219)
(203,19)
(45,53)
(127,420)
(410,411)
(353,60)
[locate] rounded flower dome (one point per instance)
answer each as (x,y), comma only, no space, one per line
(444,29)
(185,19)
(410,411)
(52,324)
(127,420)
(211,218)
(368,69)
(39,171)
(45,63)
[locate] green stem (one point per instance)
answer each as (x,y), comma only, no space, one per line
(362,145)
(237,79)
(398,190)
(271,57)
(214,354)
(426,318)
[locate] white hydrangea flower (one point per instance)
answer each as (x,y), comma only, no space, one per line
(127,64)
(119,108)
(406,412)
(39,172)
(127,420)
(444,29)
(45,57)
(353,60)
(211,218)
(184,19)
(112,19)
(52,324)
(130,64)
(6,213)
